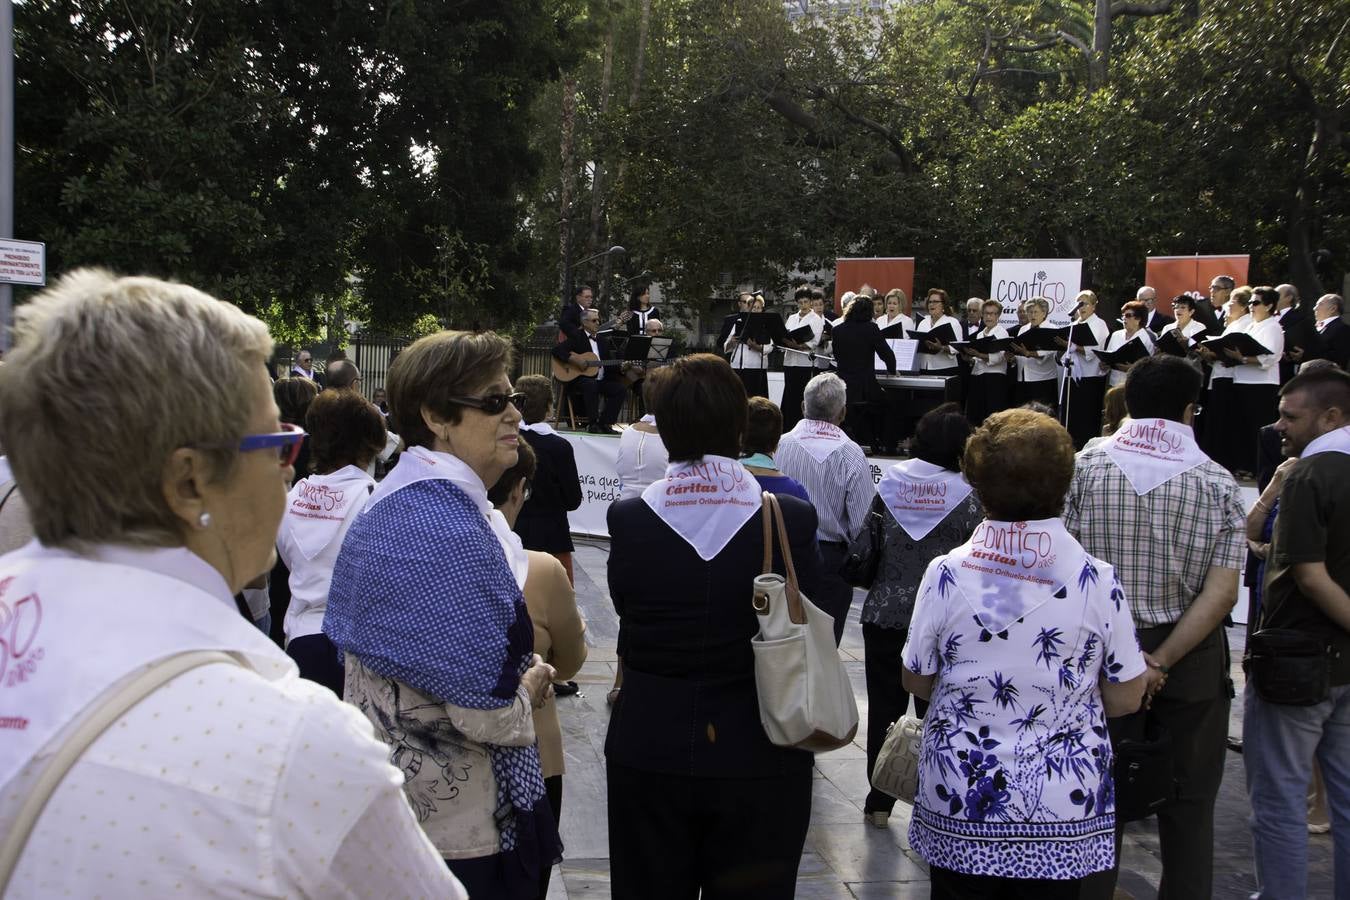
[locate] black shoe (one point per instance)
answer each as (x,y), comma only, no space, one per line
(565,689)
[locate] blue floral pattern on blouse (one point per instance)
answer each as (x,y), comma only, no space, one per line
(1015,773)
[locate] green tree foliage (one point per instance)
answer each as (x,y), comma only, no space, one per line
(959,130)
(278,152)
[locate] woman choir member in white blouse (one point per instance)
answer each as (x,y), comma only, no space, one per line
(1132,316)
(1256,379)
(989,371)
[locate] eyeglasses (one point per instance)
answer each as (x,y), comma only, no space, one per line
(286,442)
(492,404)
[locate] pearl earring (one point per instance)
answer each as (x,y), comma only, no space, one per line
(204,520)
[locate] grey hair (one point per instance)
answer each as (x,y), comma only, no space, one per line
(825,397)
(108,377)
(1336,300)
(1040,303)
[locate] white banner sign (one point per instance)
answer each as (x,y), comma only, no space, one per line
(1016,280)
(596,456)
(23,262)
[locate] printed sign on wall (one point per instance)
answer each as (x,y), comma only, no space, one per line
(1013,281)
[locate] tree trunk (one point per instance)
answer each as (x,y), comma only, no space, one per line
(1099,61)
(566,177)
(643,24)
(598,177)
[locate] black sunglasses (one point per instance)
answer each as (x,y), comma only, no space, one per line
(492,404)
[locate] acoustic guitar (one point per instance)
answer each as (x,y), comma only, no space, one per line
(588,367)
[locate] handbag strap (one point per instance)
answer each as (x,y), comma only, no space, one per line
(773,521)
(107,709)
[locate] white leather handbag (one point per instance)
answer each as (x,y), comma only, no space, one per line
(805,698)
(897,770)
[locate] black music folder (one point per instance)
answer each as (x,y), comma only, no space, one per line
(764,328)
(1238,340)
(943,334)
(986,344)
(1038,338)
(802,335)
(1174,343)
(1131,351)
(894,332)
(1079,335)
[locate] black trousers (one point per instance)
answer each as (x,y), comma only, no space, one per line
(1046,392)
(986,395)
(1082,408)
(1193,707)
(887,700)
(318,661)
(948,885)
(552,790)
(1255,406)
(613,392)
(756,381)
(834,595)
(794,389)
(1218,434)
(671,836)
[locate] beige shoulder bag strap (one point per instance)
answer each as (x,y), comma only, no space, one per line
(107,709)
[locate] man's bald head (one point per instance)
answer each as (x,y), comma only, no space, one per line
(342,375)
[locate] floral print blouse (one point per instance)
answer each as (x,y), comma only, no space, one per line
(1015,774)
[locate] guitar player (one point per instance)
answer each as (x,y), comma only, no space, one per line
(599,381)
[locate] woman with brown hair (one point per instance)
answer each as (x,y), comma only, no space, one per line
(426,604)
(1023,644)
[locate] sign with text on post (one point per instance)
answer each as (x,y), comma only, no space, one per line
(1013,281)
(23,262)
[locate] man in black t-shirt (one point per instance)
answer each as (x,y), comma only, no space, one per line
(1307,589)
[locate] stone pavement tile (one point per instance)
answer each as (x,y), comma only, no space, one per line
(859,852)
(849,775)
(557,887)
(826,887)
(889,890)
(586,878)
(830,805)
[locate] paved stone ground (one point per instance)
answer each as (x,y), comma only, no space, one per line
(844,857)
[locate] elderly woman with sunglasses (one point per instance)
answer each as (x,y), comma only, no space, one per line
(151,510)
(427,605)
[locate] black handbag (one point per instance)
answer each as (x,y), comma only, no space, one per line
(859,568)
(1145,780)
(1289,667)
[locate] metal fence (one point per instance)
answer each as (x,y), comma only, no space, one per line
(372,355)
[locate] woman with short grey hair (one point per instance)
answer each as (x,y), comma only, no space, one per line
(152,508)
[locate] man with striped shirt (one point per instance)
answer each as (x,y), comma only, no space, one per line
(835,473)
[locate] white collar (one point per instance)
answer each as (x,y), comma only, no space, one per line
(178,563)
(1008,569)
(538,428)
(1151,452)
(318,507)
(706,502)
(819,438)
(1337,441)
(920,495)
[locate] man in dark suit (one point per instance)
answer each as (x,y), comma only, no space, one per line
(1156,321)
(569,319)
(1297,325)
(606,381)
(1333,335)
